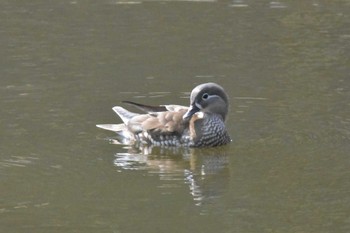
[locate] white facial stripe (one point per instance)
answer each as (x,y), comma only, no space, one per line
(211,96)
(198,106)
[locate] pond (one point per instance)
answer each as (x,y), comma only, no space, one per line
(284,64)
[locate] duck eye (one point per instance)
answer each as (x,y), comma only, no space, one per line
(205,96)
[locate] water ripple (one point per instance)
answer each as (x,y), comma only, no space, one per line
(18,161)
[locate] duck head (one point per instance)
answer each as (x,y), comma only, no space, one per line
(208,98)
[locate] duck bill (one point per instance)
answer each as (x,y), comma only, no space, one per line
(192,110)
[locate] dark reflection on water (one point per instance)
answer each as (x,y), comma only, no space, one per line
(204,171)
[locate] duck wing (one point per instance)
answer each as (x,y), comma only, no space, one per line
(159,120)
(146,108)
(156,108)
(167,122)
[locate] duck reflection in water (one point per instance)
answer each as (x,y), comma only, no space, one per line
(205,171)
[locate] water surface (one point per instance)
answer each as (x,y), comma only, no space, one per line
(284,64)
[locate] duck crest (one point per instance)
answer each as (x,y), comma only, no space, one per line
(202,124)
